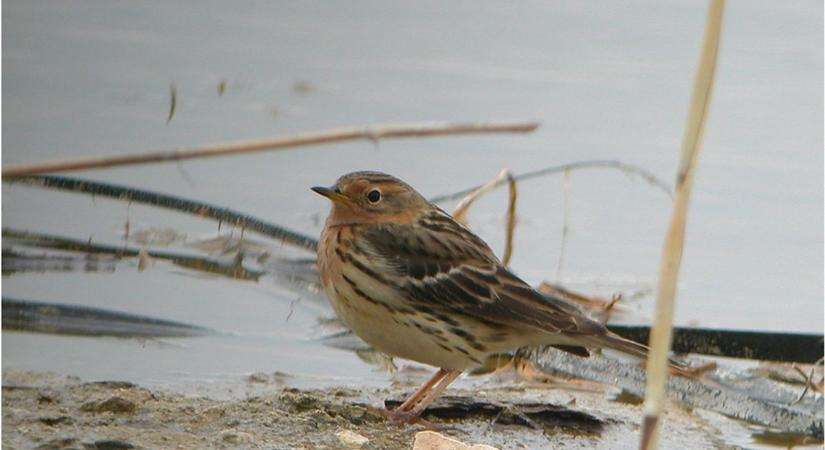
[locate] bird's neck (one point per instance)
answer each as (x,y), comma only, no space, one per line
(342,216)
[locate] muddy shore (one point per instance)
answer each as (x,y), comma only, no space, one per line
(48,411)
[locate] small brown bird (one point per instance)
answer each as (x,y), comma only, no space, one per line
(414,283)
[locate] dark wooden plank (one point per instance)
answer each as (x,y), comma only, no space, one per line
(762,345)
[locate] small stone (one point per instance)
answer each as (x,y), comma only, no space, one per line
(236,437)
(112,404)
(301,403)
(46,398)
(258,377)
(55,420)
(112,384)
(64,443)
(351,439)
(110,444)
(430,440)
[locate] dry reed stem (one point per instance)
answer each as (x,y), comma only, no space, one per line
(595,164)
(372,133)
(511,220)
(809,381)
(565,229)
(662,331)
(460,211)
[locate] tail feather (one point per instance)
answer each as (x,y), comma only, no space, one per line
(614,341)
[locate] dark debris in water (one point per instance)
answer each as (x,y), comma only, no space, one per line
(17,263)
(534,415)
(627,397)
(54,318)
(781,439)
(70,443)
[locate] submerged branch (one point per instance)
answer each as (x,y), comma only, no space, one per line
(55,318)
(38,240)
(201,209)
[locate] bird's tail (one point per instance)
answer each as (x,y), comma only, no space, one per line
(614,341)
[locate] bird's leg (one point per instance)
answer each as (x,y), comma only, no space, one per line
(415,396)
(416,403)
(431,395)
(400,412)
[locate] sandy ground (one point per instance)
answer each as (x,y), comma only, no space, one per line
(47,411)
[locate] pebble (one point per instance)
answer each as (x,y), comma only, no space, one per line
(61,443)
(55,420)
(430,440)
(110,444)
(351,439)
(111,404)
(236,437)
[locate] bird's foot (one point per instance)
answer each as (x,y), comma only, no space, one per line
(404,417)
(693,372)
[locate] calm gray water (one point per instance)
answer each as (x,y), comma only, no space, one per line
(607,81)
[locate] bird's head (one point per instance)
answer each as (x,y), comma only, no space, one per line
(372,197)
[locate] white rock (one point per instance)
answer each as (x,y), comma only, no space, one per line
(430,440)
(351,439)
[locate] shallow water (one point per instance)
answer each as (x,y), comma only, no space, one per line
(607,82)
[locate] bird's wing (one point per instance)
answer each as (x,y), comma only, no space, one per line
(445,268)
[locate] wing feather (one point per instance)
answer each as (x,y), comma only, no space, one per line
(446,268)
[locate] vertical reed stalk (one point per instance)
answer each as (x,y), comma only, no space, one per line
(661,333)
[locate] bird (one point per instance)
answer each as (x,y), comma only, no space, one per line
(414,283)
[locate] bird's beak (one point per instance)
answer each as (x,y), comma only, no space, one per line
(332,194)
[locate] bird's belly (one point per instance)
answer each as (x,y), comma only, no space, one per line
(403,332)
(404,340)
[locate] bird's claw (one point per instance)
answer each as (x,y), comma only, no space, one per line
(404,417)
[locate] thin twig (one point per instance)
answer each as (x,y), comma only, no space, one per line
(808,382)
(460,211)
(662,332)
(594,164)
(173,101)
(249,146)
(292,308)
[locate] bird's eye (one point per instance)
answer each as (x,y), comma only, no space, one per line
(374,196)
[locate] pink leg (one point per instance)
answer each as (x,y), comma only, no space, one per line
(448,378)
(413,399)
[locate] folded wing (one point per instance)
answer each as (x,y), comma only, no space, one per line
(444,267)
